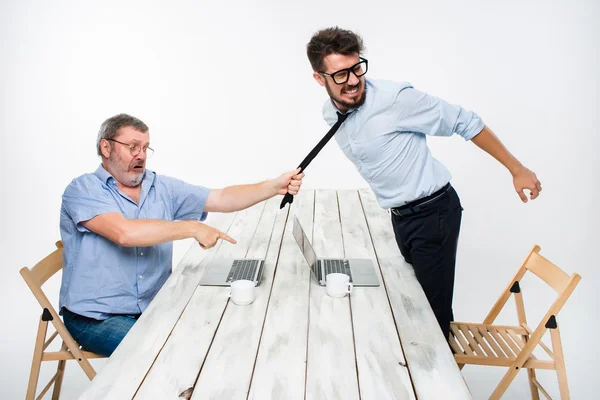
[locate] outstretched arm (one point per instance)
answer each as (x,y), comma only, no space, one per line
(239,197)
(523,178)
(150,232)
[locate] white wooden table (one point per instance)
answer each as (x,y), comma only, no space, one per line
(293,341)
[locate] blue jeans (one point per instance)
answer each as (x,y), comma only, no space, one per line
(100,337)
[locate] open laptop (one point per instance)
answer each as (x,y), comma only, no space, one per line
(361,271)
(223,271)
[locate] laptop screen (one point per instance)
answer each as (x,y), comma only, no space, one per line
(305,246)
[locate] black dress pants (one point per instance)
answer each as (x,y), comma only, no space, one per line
(427,233)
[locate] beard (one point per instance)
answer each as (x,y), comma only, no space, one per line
(127,175)
(349,104)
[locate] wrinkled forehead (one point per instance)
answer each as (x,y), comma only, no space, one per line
(335,62)
(129,134)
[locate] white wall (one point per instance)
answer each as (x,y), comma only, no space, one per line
(215,80)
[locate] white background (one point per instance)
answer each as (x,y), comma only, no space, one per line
(228,94)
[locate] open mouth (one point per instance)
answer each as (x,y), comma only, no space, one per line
(138,168)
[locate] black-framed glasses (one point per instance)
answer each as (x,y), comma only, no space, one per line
(359,69)
(136,148)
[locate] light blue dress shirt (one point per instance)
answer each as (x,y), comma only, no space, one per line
(99,276)
(385,138)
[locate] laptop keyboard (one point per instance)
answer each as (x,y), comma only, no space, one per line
(337,266)
(242,269)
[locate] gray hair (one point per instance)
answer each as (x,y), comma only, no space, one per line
(108,129)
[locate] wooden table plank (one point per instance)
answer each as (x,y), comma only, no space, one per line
(433,370)
(234,349)
(331,371)
(302,343)
(178,364)
(280,367)
(126,368)
(382,368)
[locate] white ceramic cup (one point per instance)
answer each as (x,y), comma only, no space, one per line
(242,292)
(338,285)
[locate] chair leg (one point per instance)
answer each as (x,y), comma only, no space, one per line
(37,360)
(510,375)
(60,375)
(535,394)
(561,369)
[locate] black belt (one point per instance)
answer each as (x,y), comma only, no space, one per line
(416,206)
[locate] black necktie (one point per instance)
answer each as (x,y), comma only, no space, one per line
(288,198)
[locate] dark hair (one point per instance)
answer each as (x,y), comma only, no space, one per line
(332,40)
(109,128)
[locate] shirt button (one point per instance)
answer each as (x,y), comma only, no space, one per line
(139,300)
(140,276)
(142,253)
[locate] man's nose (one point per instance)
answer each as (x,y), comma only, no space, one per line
(352,79)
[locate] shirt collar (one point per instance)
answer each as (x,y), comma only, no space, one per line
(103,174)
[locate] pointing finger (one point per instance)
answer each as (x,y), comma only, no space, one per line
(224,236)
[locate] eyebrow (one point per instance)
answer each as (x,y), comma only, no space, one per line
(344,69)
(135,141)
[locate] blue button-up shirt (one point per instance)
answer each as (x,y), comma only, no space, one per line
(101,277)
(385,138)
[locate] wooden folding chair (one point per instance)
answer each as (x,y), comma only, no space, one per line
(70,350)
(512,346)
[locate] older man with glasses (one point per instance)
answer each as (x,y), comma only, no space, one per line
(384,135)
(118,224)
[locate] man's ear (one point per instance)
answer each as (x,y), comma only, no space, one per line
(105,148)
(319,78)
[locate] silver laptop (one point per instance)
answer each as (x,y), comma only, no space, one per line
(223,271)
(361,271)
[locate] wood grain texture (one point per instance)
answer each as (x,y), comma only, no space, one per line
(331,371)
(177,366)
(126,368)
(234,348)
(280,367)
(433,370)
(294,341)
(382,368)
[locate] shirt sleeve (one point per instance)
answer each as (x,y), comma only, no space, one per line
(85,198)
(188,201)
(419,112)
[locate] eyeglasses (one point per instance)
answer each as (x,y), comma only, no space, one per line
(136,148)
(359,69)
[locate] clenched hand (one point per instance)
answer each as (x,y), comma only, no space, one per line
(289,182)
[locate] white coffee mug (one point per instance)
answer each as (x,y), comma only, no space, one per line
(242,292)
(338,285)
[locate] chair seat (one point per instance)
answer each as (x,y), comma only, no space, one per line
(497,345)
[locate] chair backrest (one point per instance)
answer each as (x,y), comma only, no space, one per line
(40,273)
(555,277)
(552,275)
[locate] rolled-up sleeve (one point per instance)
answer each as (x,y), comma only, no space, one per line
(83,200)
(422,113)
(188,201)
